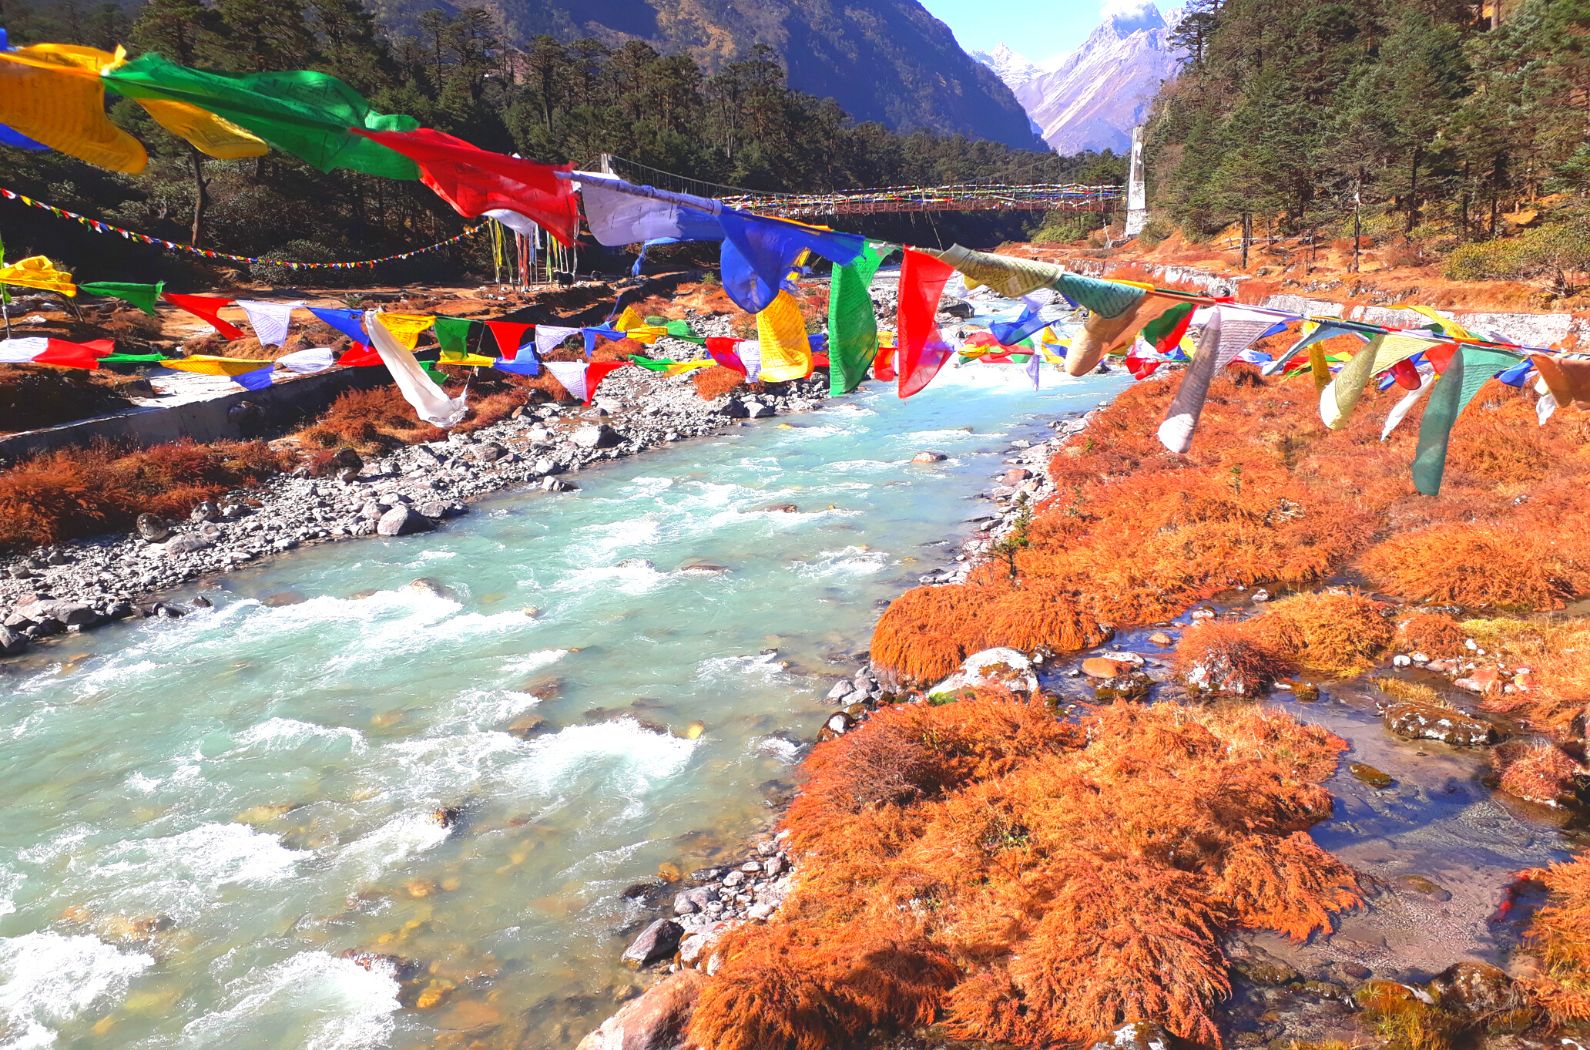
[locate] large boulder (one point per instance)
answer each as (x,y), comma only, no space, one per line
(596,435)
(12,642)
(403,521)
(734,408)
(655,1021)
(1000,666)
(152,528)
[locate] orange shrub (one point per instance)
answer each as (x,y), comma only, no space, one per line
(712,383)
(370,421)
(1433,634)
(1228,658)
(1536,772)
(1337,632)
(1480,567)
(1559,937)
(1557,652)
(1045,882)
(73,493)
(926,632)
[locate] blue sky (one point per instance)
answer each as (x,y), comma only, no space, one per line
(1039,29)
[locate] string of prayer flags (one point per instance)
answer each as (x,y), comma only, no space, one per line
(429,401)
(452,334)
(270,321)
(1470,368)
(405,328)
(1313,332)
(781,332)
(307,114)
(207,307)
(1102,333)
(599,332)
(258,379)
(528,365)
(922,350)
(852,320)
(143,296)
(360,355)
(474,181)
(510,336)
(1228,332)
(678,329)
(36,271)
(1034,318)
(724,349)
(349,322)
(1566,381)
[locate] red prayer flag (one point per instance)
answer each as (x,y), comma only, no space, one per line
(597,371)
(883,365)
(207,307)
(509,336)
(819,361)
(1406,373)
(475,181)
(360,356)
(721,349)
(922,349)
(64,354)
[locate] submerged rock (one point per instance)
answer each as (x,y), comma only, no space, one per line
(1367,774)
(655,1021)
(929,457)
(1144,1035)
(654,944)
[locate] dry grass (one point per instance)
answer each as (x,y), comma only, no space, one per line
(1559,937)
(1334,632)
(370,421)
(1434,634)
(75,493)
(1031,881)
(1557,653)
(40,396)
(712,383)
(1541,773)
(1231,659)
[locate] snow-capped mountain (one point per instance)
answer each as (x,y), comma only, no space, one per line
(1092,97)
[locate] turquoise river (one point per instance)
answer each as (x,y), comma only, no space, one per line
(203,814)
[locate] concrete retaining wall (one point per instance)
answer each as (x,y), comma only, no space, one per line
(276,409)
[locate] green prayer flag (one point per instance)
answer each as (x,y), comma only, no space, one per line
(143,296)
(1471,368)
(1158,331)
(1105,298)
(437,375)
(452,334)
(650,363)
(682,330)
(301,112)
(130,359)
(852,324)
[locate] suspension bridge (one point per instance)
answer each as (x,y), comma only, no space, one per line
(973,196)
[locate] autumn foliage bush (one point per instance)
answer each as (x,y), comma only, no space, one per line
(1559,937)
(1336,632)
(370,421)
(713,383)
(1557,653)
(1434,634)
(1031,881)
(73,493)
(1234,659)
(1135,534)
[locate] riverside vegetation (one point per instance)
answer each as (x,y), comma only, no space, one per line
(999,870)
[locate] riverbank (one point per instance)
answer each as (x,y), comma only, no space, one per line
(1449,696)
(81,585)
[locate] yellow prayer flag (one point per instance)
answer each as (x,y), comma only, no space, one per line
(688,366)
(628,319)
(59,101)
(781,331)
(209,365)
(406,328)
(453,357)
(38,272)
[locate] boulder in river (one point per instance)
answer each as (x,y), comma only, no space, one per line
(929,456)
(655,1021)
(1417,721)
(998,666)
(654,944)
(12,642)
(403,521)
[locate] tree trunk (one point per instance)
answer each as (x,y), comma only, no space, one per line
(1413,194)
(1247,236)
(201,196)
(1358,218)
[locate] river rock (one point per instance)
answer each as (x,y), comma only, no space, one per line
(1478,990)
(655,1021)
(595,435)
(693,900)
(1144,1035)
(928,456)
(757,410)
(999,666)
(734,408)
(12,642)
(202,538)
(1415,721)
(655,943)
(152,528)
(551,484)
(403,521)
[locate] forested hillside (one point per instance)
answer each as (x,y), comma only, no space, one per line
(740,126)
(1433,120)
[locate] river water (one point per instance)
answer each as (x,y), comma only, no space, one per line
(202,814)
